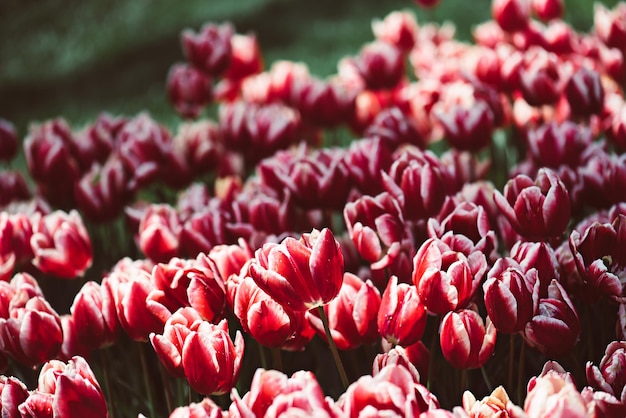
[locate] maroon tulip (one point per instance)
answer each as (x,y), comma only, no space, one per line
(205,409)
(8,140)
(60,244)
(548,9)
(427,4)
(204,230)
(510,297)
(102,192)
(211,360)
(72,345)
(540,256)
(12,393)
(585,93)
(540,81)
(272,394)
(394,129)
(246,57)
(13,187)
(210,49)
(169,345)
(391,392)
(267,321)
(351,315)
(381,65)
(511,15)
(604,179)
(201,147)
(189,90)
(599,257)
(416,180)
(75,390)
(445,279)
(323,104)
(300,274)
(94,316)
(465,341)
(556,144)
(95,143)
(398,28)
(159,233)
(365,159)
(555,328)
(608,381)
(20,334)
(317,179)
(401,317)
(468,128)
(536,210)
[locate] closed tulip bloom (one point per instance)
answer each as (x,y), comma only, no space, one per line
(399,357)
(466,341)
(537,209)
(445,279)
(61,244)
(94,316)
(8,140)
(510,298)
(323,103)
(229,259)
(468,128)
(351,315)
(300,274)
(189,90)
(402,315)
(609,25)
(381,65)
(555,328)
(548,9)
(160,233)
(365,159)
(12,393)
(511,15)
(32,334)
(75,389)
(398,28)
(13,187)
(585,93)
(211,360)
(539,77)
(209,50)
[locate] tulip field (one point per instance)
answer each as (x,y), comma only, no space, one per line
(437,228)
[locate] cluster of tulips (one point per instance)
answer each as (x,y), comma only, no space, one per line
(477,221)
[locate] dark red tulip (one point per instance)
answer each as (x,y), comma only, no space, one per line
(547,9)
(511,15)
(365,159)
(160,233)
(585,93)
(209,50)
(94,316)
(398,28)
(8,140)
(609,25)
(189,90)
(381,65)
(12,393)
(402,315)
(608,380)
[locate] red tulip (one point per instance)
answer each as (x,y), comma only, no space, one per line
(246,57)
(465,341)
(399,28)
(8,140)
(365,159)
(12,393)
(323,104)
(300,274)
(210,49)
(401,317)
(548,9)
(511,15)
(75,390)
(609,380)
(445,279)
(381,65)
(351,315)
(32,334)
(200,143)
(211,360)
(272,394)
(189,90)
(13,187)
(555,328)
(609,25)
(468,128)
(398,356)
(539,78)
(94,316)
(159,232)
(585,93)
(95,143)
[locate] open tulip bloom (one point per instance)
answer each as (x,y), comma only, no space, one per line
(436,230)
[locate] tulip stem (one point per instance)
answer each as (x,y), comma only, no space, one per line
(107,382)
(431,357)
(463,380)
(146,378)
(277,359)
(262,355)
(511,360)
(333,348)
(520,372)
(486,379)
(166,388)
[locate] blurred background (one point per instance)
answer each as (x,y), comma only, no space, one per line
(75,58)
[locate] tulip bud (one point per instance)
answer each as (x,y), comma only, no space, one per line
(351,315)
(300,274)
(188,89)
(209,50)
(511,15)
(555,328)
(465,342)
(548,9)
(381,65)
(94,316)
(211,360)
(159,232)
(585,93)
(399,28)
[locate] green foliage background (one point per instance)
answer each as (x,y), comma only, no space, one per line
(75,58)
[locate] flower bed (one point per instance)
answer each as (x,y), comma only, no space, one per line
(469,242)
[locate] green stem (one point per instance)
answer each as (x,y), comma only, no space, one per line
(333,348)
(146,378)
(107,382)
(277,359)
(262,355)
(486,379)
(520,373)
(511,361)
(431,359)
(166,387)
